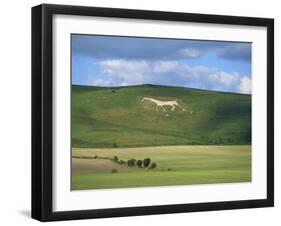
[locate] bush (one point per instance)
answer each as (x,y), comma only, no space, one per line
(114,171)
(153,165)
(131,162)
(114,145)
(95,157)
(122,161)
(146,162)
(139,163)
(115,159)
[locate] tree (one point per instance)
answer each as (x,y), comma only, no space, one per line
(115,158)
(122,161)
(146,162)
(131,162)
(153,165)
(139,163)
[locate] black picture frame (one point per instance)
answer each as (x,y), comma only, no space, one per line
(42,111)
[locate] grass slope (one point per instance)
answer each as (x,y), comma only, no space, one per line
(107,117)
(189,165)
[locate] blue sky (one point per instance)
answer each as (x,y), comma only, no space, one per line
(122,61)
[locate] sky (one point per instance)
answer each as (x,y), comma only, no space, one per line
(111,61)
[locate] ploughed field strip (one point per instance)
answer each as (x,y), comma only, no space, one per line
(176,165)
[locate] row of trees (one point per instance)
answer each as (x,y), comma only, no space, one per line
(145,163)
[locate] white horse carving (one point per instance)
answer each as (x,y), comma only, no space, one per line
(172,103)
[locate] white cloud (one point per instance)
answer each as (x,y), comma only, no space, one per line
(245,85)
(120,72)
(190,53)
(127,72)
(121,66)
(227,81)
(100,82)
(165,66)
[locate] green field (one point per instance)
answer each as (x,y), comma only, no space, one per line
(208,142)
(106,117)
(186,164)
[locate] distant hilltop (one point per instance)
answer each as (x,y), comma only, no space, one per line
(156,86)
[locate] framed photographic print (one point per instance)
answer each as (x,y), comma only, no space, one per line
(145,112)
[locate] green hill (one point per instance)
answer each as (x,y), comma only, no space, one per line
(117,117)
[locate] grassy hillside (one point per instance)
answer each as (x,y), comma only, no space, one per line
(107,117)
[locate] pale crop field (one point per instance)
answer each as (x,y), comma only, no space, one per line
(176,165)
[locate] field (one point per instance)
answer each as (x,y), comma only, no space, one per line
(176,165)
(116,117)
(205,139)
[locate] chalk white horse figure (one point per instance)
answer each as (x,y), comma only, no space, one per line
(161,103)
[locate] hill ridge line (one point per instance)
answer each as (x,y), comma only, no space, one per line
(160,86)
